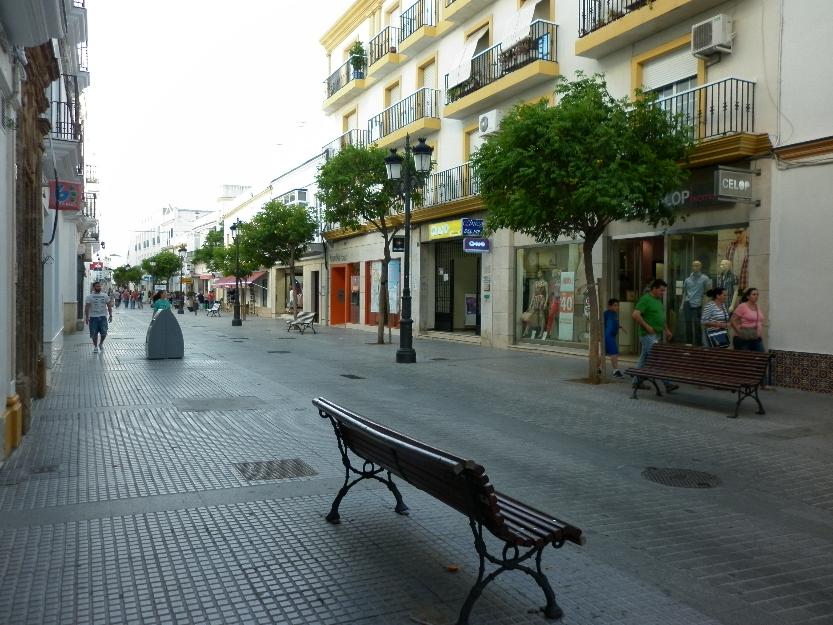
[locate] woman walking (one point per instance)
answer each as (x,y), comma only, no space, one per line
(160,302)
(748,322)
(715,320)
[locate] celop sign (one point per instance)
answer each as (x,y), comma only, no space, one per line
(712,186)
(475,245)
(734,184)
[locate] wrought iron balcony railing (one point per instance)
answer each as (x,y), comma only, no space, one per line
(450,185)
(83,58)
(717,109)
(495,63)
(356,137)
(423,13)
(422,103)
(595,14)
(353,69)
(65,125)
(79,3)
(89,205)
(383,43)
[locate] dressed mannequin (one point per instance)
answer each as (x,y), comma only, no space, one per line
(728,281)
(737,252)
(694,287)
(537,307)
(555,299)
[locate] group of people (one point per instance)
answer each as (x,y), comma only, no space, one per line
(130,299)
(745,323)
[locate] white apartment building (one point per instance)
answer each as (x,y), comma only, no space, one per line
(755,208)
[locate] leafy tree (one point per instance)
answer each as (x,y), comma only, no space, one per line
(126,274)
(354,187)
(572,169)
(162,266)
(212,252)
(278,234)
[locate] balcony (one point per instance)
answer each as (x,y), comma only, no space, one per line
(83,66)
(383,56)
(721,119)
(89,205)
(419,113)
(608,25)
(450,185)
(345,83)
(458,11)
(419,26)
(355,137)
(498,74)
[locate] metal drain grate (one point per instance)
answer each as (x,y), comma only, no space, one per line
(274,469)
(439,359)
(350,376)
(278,351)
(48,468)
(681,478)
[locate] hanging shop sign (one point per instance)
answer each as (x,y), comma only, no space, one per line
(472,227)
(96,265)
(475,245)
(398,244)
(65,195)
(445,229)
(734,185)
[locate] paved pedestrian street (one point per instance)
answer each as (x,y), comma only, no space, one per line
(133,498)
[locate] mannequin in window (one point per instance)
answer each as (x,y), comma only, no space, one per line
(737,252)
(555,299)
(537,307)
(728,281)
(694,287)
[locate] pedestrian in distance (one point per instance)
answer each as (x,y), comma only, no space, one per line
(748,322)
(715,319)
(98,310)
(649,315)
(612,327)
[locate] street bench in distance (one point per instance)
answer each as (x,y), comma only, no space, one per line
(461,484)
(214,311)
(741,372)
(304,321)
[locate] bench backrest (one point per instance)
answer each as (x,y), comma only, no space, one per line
(462,484)
(734,365)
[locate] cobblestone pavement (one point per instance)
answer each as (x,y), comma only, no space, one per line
(126,502)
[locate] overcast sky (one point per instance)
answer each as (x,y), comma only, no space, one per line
(188,95)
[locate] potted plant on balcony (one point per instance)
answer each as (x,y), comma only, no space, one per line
(358,59)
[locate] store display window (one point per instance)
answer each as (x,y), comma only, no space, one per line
(553,306)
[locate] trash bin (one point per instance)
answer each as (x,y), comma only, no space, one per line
(164,337)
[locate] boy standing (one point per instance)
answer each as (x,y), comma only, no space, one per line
(612,327)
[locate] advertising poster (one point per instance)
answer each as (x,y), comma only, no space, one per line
(471,309)
(393,285)
(567,306)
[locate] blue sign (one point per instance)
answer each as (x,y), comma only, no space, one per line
(472,227)
(475,245)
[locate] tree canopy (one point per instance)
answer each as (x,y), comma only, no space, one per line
(211,253)
(572,169)
(162,265)
(126,274)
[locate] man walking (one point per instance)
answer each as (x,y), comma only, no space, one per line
(649,315)
(97,309)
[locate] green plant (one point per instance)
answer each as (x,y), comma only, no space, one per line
(358,56)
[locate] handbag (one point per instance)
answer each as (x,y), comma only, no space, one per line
(748,334)
(718,338)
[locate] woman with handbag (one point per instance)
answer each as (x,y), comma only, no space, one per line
(747,322)
(715,320)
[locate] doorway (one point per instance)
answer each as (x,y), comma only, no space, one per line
(456,288)
(338,295)
(637,262)
(315,294)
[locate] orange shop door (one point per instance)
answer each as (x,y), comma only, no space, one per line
(339,303)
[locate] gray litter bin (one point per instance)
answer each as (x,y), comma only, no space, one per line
(164,337)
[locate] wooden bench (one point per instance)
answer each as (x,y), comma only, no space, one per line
(461,484)
(214,311)
(741,372)
(304,321)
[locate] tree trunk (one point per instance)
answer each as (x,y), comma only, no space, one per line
(594,360)
(383,296)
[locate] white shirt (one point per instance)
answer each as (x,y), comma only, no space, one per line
(98,304)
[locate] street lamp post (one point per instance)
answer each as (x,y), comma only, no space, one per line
(182,250)
(410,180)
(236,321)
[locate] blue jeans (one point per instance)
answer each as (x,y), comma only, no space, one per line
(647,342)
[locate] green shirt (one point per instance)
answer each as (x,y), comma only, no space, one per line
(653,313)
(161,304)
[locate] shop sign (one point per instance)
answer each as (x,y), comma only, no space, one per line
(65,195)
(475,245)
(567,306)
(398,244)
(472,227)
(96,265)
(734,184)
(446,229)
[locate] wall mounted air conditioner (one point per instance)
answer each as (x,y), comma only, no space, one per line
(711,36)
(490,121)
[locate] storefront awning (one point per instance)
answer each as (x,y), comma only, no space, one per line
(229,281)
(206,276)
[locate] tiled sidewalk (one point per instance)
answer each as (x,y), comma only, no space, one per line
(124,504)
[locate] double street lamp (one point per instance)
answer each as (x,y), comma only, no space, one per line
(410,176)
(236,321)
(182,250)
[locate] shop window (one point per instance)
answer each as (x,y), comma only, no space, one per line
(553,306)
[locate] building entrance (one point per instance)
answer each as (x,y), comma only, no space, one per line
(456,288)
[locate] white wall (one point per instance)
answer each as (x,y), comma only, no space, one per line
(7,240)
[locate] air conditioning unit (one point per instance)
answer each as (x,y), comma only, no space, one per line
(713,35)
(490,121)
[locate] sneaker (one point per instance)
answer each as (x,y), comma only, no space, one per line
(101,348)
(95,350)
(671,387)
(618,374)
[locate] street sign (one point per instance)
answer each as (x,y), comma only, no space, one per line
(398,244)
(475,245)
(472,227)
